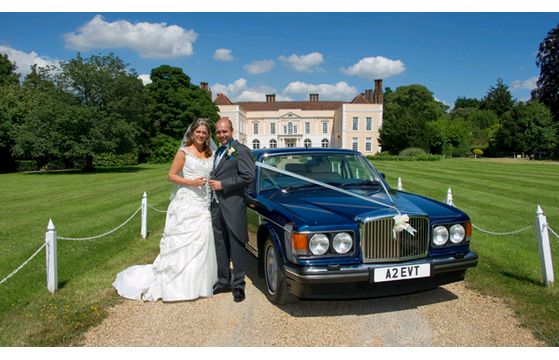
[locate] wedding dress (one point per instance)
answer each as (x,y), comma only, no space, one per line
(186,267)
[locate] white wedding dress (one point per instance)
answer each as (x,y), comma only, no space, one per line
(186,267)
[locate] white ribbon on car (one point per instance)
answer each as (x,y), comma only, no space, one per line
(401,223)
(400,220)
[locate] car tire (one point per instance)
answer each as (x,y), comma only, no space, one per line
(276,284)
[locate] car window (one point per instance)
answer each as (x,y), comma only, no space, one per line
(334,169)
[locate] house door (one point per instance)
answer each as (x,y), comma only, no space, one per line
(290,142)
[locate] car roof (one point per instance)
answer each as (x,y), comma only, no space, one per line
(276,151)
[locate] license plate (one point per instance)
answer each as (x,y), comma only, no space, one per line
(404,272)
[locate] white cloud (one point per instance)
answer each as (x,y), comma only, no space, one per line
(150,40)
(338,91)
(223,55)
(260,67)
(239,91)
(305,63)
(230,90)
(24,60)
(529,84)
(377,67)
(145,78)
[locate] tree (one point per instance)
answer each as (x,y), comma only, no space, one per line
(528,129)
(451,137)
(547,90)
(465,103)
(8,75)
(105,87)
(176,102)
(498,99)
(407,111)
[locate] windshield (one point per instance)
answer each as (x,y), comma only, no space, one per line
(341,170)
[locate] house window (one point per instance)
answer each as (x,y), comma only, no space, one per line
(369,123)
(355,144)
(307,128)
(273,128)
(368,144)
(256,144)
(255,128)
(289,129)
(273,144)
(308,143)
(355,123)
(325,128)
(325,143)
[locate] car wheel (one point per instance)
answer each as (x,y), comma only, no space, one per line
(276,285)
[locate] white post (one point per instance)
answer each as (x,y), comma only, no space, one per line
(449,197)
(544,248)
(400,185)
(52,270)
(144,228)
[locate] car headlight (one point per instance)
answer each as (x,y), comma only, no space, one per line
(319,244)
(440,235)
(457,233)
(342,243)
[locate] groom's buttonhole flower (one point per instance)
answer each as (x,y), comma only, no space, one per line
(232,152)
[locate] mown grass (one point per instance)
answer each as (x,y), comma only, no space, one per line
(80,205)
(499,196)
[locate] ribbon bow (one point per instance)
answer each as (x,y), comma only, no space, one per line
(401,223)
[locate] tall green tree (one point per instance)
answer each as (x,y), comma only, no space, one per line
(9,98)
(547,90)
(8,75)
(176,102)
(407,112)
(528,129)
(498,99)
(105,86)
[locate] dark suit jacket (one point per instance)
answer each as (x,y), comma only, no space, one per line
(235,172)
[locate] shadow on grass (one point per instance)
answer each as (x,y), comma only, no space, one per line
(107,170)
(523,279)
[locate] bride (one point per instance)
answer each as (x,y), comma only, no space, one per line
(186,267)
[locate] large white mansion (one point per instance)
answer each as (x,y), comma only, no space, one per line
(314,123)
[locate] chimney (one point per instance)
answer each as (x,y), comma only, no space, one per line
(368,95)
(204,86)
(378,97)
(271,98)
(313,97)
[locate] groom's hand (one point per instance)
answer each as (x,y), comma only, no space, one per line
(215,185)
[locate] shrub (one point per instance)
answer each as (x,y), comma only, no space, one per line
(164,149)
(114,160)
(412,151)
(478,152)
(426,157)
(27,165)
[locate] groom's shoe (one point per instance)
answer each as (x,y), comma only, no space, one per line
(238,295)
(218,289)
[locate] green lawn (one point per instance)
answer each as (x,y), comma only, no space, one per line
(499,196)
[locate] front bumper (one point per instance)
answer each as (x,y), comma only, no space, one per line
(357,281)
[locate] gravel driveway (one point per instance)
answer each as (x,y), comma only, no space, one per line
(452,315)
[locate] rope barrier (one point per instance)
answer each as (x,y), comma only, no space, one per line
(22,265)
(504,233)
(105,234)
(161,211)
(552,231)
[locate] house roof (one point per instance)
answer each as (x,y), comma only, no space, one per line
(303,105)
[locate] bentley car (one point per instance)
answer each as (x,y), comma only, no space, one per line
(324,223)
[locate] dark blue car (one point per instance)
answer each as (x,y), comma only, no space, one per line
(324,223)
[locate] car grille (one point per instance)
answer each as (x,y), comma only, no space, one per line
(378,243)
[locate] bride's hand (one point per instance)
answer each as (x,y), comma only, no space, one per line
(200,181)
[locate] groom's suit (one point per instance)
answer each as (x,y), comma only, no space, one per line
(235,169)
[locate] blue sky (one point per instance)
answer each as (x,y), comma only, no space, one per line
(248,55)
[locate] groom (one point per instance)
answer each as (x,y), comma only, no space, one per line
(233,172)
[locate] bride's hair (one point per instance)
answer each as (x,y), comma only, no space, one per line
(189,136)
